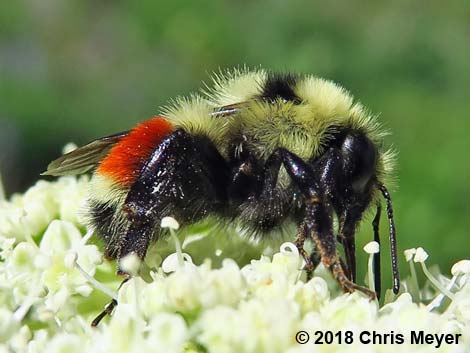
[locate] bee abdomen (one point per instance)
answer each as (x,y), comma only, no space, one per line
(127,157)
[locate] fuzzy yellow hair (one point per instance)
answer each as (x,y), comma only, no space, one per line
(303,129)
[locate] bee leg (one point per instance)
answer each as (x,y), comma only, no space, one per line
(347,285)
(136,240)
(245,174)
(377,269)
(315,259)
(348,177)
(155,184)
(108,310)
(318,218)
(346,236)
(320,226)
(351,217)
(310,261)
(185,177)
(359,158)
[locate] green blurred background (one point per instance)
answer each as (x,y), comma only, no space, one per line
(77,70)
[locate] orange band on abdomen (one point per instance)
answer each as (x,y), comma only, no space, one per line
(125,160)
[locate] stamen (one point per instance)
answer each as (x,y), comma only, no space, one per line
(371,248)
(95,283)
(2,190)
(421,257)
(438,300)
(172,225)
(413,287)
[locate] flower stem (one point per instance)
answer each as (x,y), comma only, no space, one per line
(414,285)
(435,282)
(179,251)
(370,272)
(438,300)
(2,190)
(95,283)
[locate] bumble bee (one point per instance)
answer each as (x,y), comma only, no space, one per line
(261,149)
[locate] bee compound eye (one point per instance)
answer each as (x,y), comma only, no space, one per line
(361,160)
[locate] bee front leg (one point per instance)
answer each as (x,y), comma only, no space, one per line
(377,267)
(318,218)
(319,223)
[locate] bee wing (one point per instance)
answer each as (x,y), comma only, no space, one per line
(228,110)
(83,158)
(87,157)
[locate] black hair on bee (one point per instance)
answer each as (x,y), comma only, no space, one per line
(261,149)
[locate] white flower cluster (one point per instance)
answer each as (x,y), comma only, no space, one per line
(47,299)
(39,234)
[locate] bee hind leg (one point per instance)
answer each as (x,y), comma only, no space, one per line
(108,310)
(185,178)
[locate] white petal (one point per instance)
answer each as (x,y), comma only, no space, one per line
(170,264)
(70,259)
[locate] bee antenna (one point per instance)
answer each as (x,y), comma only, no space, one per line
(393,238)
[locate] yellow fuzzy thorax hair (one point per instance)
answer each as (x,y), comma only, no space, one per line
(303,128)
